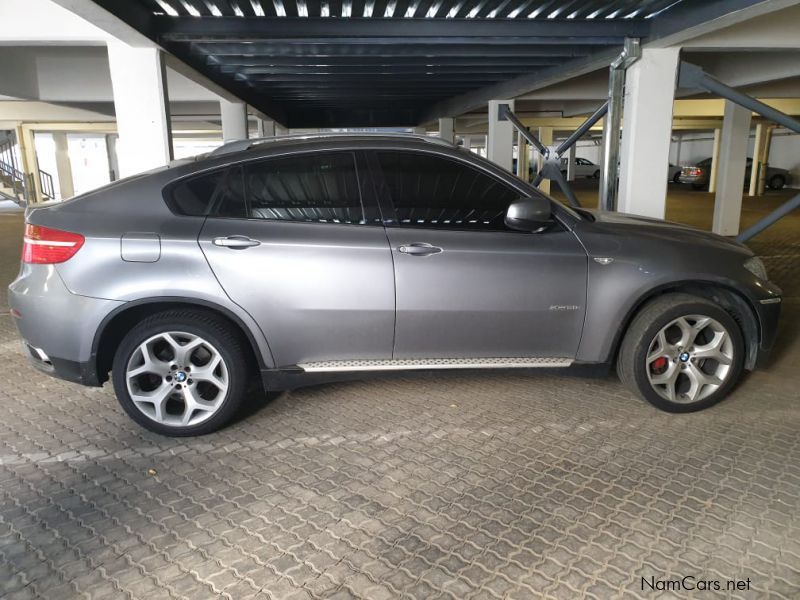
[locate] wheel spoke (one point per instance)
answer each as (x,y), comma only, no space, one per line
(713,349)
(157,398)
(663,349)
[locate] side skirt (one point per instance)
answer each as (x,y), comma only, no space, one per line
(314,373)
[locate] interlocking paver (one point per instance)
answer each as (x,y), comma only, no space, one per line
(463,485)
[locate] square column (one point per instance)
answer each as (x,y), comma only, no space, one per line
(266,128)
(141,104)
(755,167)
(500,141)
(546,137)
(646,132)
(447,129)
(730,174)
(63,166)
(712,177)
(234,120)
(571,163)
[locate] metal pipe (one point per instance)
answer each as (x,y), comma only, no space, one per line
(581,131)
(780,212)
(608,174)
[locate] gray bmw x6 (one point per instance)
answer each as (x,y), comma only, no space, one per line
(307,259)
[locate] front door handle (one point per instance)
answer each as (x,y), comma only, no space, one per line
(419,249)
(235,242)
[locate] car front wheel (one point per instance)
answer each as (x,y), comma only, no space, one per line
(777,182)
(180,373)
(682,353)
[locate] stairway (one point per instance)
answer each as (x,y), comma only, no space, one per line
(15,184)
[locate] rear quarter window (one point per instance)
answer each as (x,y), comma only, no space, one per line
(216,194)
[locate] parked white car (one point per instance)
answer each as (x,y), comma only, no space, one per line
(583,168)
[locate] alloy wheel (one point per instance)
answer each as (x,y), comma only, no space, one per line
(177,378)
(690,358)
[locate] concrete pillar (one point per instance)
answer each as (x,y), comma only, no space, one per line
(757,158)
(732,162)
(762,173)
(546,137)
(419,131)
(571,163)
(113,160)
(678,148)
(467,142)
(63,166)
(281,130)
(500,142)
(141,104)
(712,176)
(447,129)
(266,127)
(234,120)
(647,132)
(523,157)
(30,162)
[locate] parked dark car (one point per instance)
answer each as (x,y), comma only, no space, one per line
(698,175)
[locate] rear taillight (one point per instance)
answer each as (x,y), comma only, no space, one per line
(46,246)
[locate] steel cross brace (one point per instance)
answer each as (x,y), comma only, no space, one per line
(552,156)
(693,77)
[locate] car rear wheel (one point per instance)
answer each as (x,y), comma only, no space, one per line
(776,182)
(682,353)
(677,177)
(180,373)
(596,174)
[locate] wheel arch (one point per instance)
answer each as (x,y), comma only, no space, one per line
(733,301)
(119,321)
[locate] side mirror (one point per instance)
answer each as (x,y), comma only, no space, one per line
(528,214)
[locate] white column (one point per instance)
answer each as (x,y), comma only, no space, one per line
(500,141)
(447,129)
(467,142)
(571,163)
(281,130)
(546,137)
(141,104)
(266,127)
(712,176)
(646,132)
(762,174)
(234,120)
(732,163)
(63,166)
(419,131)
(755,167)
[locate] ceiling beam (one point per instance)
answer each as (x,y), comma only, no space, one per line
(259,28)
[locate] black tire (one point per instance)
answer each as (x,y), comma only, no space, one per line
(677,177)
(596,174)
(776,182)
(210,328)
(656,314)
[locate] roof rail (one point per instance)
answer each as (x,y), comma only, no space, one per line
(241,145)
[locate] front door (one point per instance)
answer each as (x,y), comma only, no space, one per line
(306,259)
(466,285)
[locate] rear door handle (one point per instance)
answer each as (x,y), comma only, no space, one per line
(236,242)
(419,249)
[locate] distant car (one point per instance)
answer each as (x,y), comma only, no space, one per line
(674,173)
(583,168)
(698,175)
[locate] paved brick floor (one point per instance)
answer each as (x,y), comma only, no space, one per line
(498,485)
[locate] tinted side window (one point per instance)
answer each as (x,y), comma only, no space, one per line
(433,192)
(217,194)
(316,188)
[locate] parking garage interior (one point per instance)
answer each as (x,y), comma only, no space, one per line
(553,483)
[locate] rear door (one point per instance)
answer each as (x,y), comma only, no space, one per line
(307,257)
(466,285)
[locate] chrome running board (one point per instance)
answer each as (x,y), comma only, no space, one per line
(400,364)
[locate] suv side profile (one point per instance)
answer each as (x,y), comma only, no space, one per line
(310,259)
